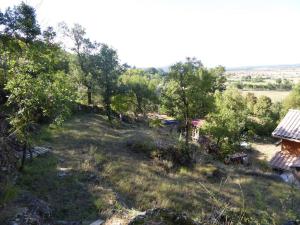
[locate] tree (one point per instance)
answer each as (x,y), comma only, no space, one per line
(292,101)
(266,115)
(263,107)
(19,29)
(227,123)
(139,92)
(85,51)
(220,79)
(20,22)
(251,101)
(188,92)
(33,70)
(107,70)
(278,81)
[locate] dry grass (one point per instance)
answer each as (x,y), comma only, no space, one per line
(276,96)
(266,150)
(106,177)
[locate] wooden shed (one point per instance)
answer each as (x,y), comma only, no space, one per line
(288,131)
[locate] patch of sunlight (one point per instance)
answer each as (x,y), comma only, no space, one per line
(184,171)
(204,169)
(242,180)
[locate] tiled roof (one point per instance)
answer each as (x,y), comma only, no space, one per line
(284,160)
(289,127)
(198,122)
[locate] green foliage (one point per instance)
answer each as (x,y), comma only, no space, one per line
(220,79)
(85,50)
(46,96)
(227,123)
(155,123)
(7,193)
(268,115)
(262,108)
(20,22)
(264,114)
(138,92)
(251,101)
(107,71)
(145,146)
(189,90)
(34,71)
(292,101)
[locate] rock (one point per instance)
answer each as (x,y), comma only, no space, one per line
(63,171)
(63,222)
(289,177)
(162,217)
(97,222)
(36,212)
(290,222)
(61,174)
(215,175)
(61,160)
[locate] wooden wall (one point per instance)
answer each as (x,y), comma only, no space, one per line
(291,146)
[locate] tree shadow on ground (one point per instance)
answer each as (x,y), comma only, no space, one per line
(63,189)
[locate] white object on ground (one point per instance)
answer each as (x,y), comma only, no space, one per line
(97,222)
(289,177)
(36,151)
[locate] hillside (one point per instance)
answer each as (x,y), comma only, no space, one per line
(91,174)
(272,71)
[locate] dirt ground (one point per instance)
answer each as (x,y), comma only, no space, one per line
(266,149)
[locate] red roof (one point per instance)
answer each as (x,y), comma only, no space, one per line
(197,122)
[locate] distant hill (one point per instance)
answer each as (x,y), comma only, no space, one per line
(264,67)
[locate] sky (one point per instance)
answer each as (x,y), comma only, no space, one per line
(158,33)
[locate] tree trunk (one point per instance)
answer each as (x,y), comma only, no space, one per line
(23,157)
(139,104)
(107,102)
(108,112)
(187,131)
(89,95)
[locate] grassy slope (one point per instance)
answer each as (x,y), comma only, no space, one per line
(105,177)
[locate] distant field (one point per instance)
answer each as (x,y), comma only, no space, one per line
(276,96)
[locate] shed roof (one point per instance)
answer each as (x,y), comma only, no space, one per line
(289,127)
(284,160)
(198,122)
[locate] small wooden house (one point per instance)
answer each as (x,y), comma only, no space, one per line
(196,124)
(288,131)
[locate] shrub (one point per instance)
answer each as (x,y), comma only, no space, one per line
(142,145)
(8,192)
(155,123)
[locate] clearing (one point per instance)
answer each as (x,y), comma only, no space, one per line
(276,96)
(92,174)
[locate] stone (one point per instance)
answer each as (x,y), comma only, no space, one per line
(162,216)
(63,222)
(37,212)
(97,222)
(61,174)
(291,222)
(61,160)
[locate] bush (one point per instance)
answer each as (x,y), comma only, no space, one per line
(45,96)
(178,154)
(142,145)
(155,123)
(8,192)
